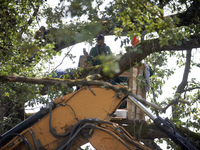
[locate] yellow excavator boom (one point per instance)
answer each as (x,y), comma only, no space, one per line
(75,119)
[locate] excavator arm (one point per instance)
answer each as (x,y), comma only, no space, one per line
(71,121)
(165,126)
(80,117)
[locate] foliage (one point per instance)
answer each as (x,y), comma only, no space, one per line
(76,21)
(13,98)
(110,67)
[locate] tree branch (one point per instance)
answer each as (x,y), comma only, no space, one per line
(90,80)
(150,131)
(145,102)
(129,59)
(151,144)
(183,83)
(189,16)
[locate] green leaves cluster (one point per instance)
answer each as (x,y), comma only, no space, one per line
(110,67)
(19,56)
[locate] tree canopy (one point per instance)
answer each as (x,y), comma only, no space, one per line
(166,29)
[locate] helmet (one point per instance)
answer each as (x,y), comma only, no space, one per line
(100,37)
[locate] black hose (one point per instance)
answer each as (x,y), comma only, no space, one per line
(23,125)
(26,142)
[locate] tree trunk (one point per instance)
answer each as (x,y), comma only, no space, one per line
(144,131)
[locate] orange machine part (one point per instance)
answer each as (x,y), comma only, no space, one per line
(111,137)
(107,141)
(88,102)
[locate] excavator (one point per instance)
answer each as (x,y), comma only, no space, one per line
(84,116)
(80,117)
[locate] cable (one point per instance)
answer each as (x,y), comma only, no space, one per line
(72,138)
(50,126)
(34,140)
(78,127)
(26,142)
(114,137)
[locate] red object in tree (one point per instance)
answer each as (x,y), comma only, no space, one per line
(134,41)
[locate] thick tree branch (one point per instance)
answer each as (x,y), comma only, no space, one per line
(148,47)
(151,144)
(150,132)
(129,59)
(90,80)
(183,83)
(50,81)
(189,16)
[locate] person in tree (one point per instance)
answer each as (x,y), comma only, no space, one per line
(135,41)
(148,70)
(100,49)
(51,35)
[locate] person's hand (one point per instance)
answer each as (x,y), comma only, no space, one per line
(85,53)
(38,34)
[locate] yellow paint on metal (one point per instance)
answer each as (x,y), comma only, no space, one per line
(93,102)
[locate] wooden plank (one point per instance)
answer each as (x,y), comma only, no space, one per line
(133,111)
(83,63)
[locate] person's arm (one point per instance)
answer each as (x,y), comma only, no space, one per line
(90,55)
